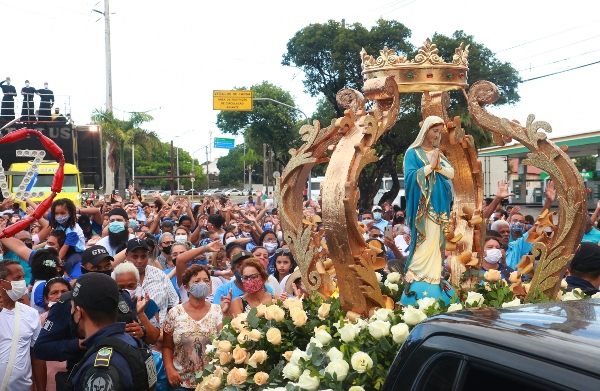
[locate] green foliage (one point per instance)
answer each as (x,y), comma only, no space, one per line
(329,56)
(269,123)
(587,163)
(231,166)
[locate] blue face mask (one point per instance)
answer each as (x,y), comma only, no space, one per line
(200,290)
(116,227)
(268,226)
(377,215)
(62,219)
(133,223)
(516,227)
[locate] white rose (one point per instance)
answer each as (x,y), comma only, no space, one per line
(291,371)
(383,314)
(347,333)
(296,356)
(323,336)
(514,303)
(361,362)
(474,299)
(360,324)
(379,276)
(570,296)
(413,316)
(596,295)
(334,354)
(564,284)
(399,332)
(425,303)
(379,328)
(392,287)
(315,341)
(308,382)
(356,388)
(210,349)
(339,367)
(393,277)
(455,307)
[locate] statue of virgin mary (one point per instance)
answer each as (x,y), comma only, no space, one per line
(427,178)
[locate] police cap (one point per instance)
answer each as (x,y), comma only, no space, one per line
(95,291)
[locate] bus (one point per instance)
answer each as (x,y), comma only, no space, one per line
(386,185)
(38,187)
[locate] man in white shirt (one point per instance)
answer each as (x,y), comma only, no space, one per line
(19,329)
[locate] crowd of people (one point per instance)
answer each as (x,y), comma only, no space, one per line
(28,110)
(92,295)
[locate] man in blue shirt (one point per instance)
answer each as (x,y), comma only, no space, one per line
(590,234)
(378,218)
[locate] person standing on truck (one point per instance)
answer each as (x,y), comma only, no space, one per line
(46,103)
(28,108)
(7,113)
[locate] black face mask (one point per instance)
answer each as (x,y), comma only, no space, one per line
(74,326)
(166,249)
(29,245)
(399,219)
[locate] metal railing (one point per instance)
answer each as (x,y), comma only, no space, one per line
(19,103)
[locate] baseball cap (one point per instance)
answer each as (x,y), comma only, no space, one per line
(94,255)
(132,244)
(84,222)
(376,207)
(119,212)
(587,259)
(167,224)
(241,256)
(95,291)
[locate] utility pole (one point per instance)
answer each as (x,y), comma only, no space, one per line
(244,166)
(109,105)
(207,174)
(265,183)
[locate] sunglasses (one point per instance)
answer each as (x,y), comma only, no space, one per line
(283,251)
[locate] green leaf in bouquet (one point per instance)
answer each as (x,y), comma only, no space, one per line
(384,344)
(252,319)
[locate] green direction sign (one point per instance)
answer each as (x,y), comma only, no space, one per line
(226,143)
(584,175)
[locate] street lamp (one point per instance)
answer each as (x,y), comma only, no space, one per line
(207,181)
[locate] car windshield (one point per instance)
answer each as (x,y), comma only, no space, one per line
(44,182)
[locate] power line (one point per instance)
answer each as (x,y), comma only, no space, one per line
(402,6)
(557,61)
(563,71)
(547,36)
(555,49)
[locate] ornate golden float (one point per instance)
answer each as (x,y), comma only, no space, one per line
(347,145)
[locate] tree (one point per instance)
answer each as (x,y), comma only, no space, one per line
(268,123)
(329,56)
(119,134)
(587,163)
(231,166)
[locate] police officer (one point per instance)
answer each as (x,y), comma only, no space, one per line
(114,360)
(58,340)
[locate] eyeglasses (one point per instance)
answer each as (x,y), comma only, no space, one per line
(270,240)
(376,236)
(283,251)
(251,277)
(167,243)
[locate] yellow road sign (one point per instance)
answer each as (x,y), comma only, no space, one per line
(233,100)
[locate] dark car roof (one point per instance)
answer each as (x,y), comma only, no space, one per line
(567,332)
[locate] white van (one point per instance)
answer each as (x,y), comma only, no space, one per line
(386,185)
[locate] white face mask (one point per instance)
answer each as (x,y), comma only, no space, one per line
(181,238)
(46,86)
(229,240)
(134,292)
(26,84)
(19,288)
(270,247)
(8,82)
(493,256)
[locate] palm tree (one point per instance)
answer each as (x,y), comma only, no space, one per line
(119,133)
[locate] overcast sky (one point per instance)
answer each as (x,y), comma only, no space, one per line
(168,56)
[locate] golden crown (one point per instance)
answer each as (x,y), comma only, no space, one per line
(426,72)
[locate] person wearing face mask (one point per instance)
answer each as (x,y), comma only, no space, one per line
(46,102)
(7,113)
(45,265)
(113,356)
(233,289)
(117,237)
(16,369)
(189,328)
(182,234)
(254,278)
(269,241)
(492,256)
(165,244)
(63,216)
(27,108)
(378,220)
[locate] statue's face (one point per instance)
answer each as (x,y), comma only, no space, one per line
(433,134)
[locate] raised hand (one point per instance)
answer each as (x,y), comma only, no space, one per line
(503,189)
(226,302)
(214,246)
(550,191)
